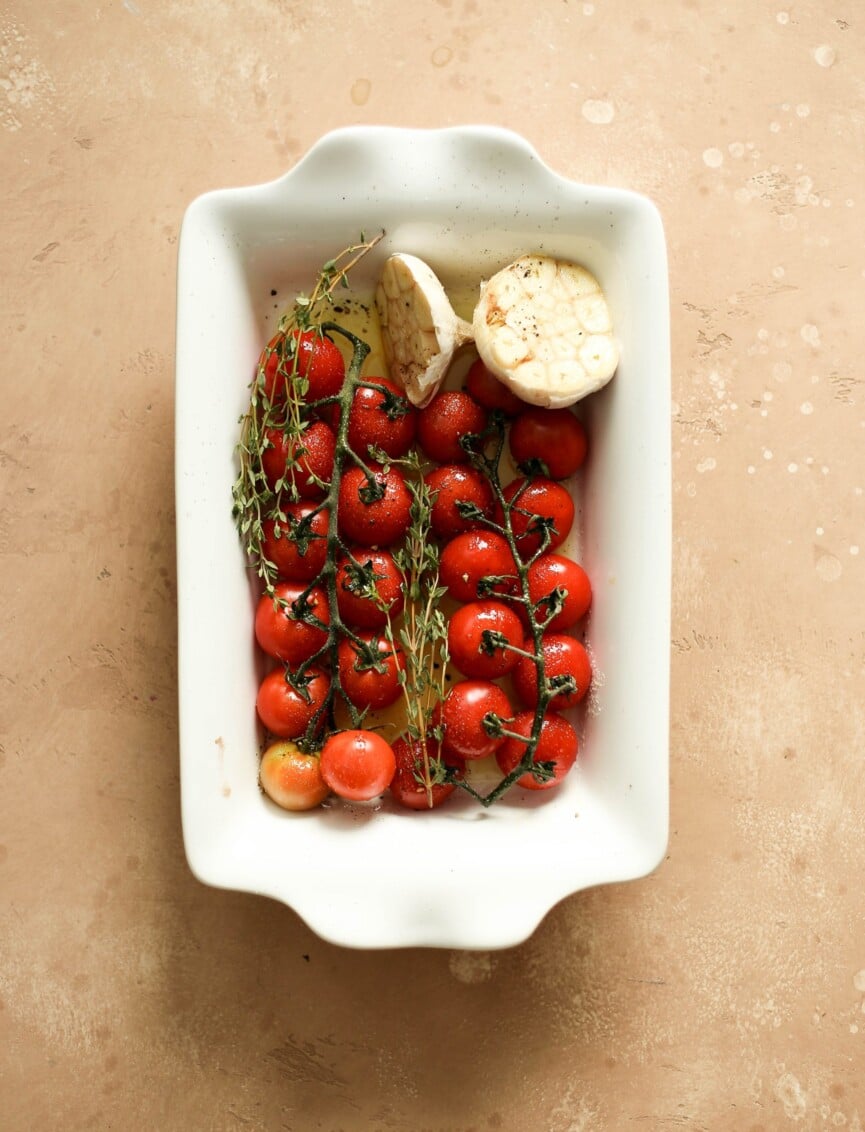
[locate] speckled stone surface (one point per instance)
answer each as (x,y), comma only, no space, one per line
(727,991)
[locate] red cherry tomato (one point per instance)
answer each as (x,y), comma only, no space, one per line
(386,419)
(551,442)
(369,673)
(285,628)
(452,484)
(472,651)
(374,514)
(472,556)
(291,777)
(407,786)
(557,745)
(285,711)
(448,417)
(554,571)
(357,765)
(462,714)
(368,588)
(318,360)
(313,452)
(488,391)
(538,497)
(563,656)
(298,546)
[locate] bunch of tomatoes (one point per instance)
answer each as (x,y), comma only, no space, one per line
(341,501)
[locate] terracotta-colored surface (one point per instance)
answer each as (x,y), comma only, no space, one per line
(725,992)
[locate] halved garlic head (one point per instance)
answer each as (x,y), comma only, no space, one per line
(543,327)
(419,328)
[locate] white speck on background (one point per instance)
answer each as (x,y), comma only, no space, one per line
(787,222)
(819,531)
(792,468)
(598,112)
(859,981)
(707,465)
(713,158)
(829,568)
(588,9)
(783,17)
(810,334)
(767,453)
(736,149)
(854,550)
(775,127)
(803,110)
(751,469)
(781,371)
(806,408)
(824,55)
(789,1093)
(778,272)
(848,203)
(471,966)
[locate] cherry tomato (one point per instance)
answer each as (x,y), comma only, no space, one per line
(370,679)
(386,419)
(472,556)
(285,711)
(552,571)
(354,577)
(292,778)
(538,497)
(285,629)
(441,423)
(563,656)
(551,442)
(557,744)
(452,484)
(462,714)
(357,765)
(313,452)
(468,642)
(369,520)
(407,786)
(488,391)
(297,547)
(318,360)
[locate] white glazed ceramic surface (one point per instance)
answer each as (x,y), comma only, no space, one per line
(467,200)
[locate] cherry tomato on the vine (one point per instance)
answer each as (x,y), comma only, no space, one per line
(557,744)
(543,498)
(284,627)
(475,555)
(407,785)
(312,453)
(554,571)
(357,765)
(448,417)
(368,588)
(285,711)
(318,359)
(478,636)
(455,483)
(488,391)
(551,439)
(374,513)
(387,419)
(370,680)
(298,546)
(563,656)
(462,714)
(291,777)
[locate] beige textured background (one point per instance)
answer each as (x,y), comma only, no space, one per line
(725,992)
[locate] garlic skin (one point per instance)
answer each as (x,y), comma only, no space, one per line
(420,330)
(543,327)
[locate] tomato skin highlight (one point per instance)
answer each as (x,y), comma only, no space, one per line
(555,570)
(488,391)
(364,612)
(557,744)
(283,710)
(357,765)
(365,687)
(474,555)
(455,483)
(381,522)
(461,714)
(440,424)
(563,656)
(553,437)
(466,636)
(319,447)
(318,360)
(406,789)
(284,551)
(286,637)
(292,778)
(537,496)
(369,423)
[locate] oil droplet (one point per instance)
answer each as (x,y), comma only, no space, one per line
(442,56)
(360,91)
(597,112)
